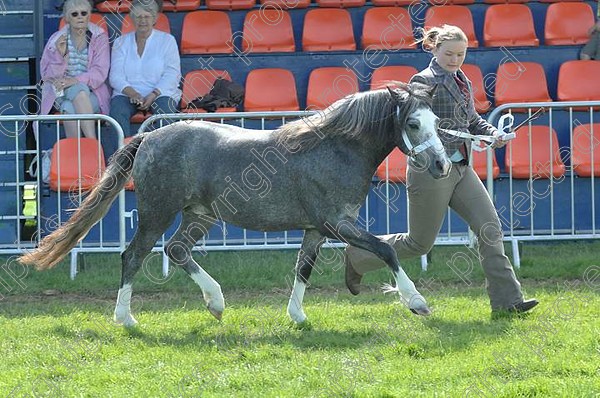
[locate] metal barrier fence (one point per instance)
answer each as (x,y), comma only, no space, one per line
(384,211)
(555,201)
(53,210)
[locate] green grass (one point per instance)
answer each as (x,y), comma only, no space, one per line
(57,337)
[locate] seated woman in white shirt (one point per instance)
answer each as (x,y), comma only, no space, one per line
(145,69)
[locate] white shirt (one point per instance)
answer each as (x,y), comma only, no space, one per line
(158,67)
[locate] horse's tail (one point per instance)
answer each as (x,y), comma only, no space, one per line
(55,246)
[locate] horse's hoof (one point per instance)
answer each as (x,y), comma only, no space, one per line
(424,311)
(305,325)
(298,320)
(217,314)
(298,317)
(418,305)
(127,321)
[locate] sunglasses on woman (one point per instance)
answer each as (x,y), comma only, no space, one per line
(75,14)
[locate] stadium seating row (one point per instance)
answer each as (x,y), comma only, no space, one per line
(385,28)
(122,6)
(274,89)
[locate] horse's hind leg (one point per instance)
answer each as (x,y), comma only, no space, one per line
(409,294)
(306,258)
(179,249)
(151,226)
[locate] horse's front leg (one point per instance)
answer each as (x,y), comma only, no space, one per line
(306,258)
(354,236)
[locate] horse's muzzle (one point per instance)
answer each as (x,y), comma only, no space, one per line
(441,168)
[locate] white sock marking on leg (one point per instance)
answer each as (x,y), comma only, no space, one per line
(123,308)
(408,292)
(211,290)
(295,310)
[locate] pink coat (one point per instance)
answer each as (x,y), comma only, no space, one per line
(53,65)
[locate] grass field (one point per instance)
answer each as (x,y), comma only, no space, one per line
(57,337)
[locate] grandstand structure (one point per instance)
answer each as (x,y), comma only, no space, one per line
(296,55)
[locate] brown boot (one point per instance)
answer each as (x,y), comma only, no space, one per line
(353,278)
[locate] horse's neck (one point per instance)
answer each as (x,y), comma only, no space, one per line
(375,157)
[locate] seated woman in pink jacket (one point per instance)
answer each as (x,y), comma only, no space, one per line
(74,69)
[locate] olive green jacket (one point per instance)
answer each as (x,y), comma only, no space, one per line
(592,48)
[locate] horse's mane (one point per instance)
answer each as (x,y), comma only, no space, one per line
(366,117)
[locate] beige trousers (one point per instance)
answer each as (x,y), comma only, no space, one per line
(428,201)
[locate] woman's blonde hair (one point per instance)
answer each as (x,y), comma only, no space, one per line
(433,38)
(144,5)
(71,4)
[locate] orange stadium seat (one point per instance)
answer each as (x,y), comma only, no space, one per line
(181,5)
(95,18)
(340,3)
(114,6)
(162,23)
(521,82)
(583,149)
(545,154)
(328,30)
(271,89)
(453,15)
(69,153)
(268,30)
(387,28)
(479,163)
(396,167)
(384,74)
(230,4)
(568,23)
(285,4)
(198,83)
(556,1)
(129,186)
(450,2)
(482,104)
(206,32)
(504,1)
(578,81)
(509,25)
(329,84)
(391,3)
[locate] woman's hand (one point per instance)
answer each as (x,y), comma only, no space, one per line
(61,45)
(64,82)
(499,141)
(148,100)
(69,81)
(135,98)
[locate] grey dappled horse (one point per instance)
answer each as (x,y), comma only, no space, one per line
(311,174)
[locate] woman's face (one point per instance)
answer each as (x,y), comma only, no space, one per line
(451,54)
(78,17)
(143,21)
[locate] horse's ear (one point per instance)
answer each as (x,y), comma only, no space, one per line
(395,96)
(428,89)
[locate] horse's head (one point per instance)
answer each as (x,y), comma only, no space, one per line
(418,127)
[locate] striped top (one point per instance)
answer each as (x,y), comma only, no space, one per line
(78,60)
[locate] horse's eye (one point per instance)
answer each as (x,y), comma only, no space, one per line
(413,125)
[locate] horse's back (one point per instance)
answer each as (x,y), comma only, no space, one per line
(192,156)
